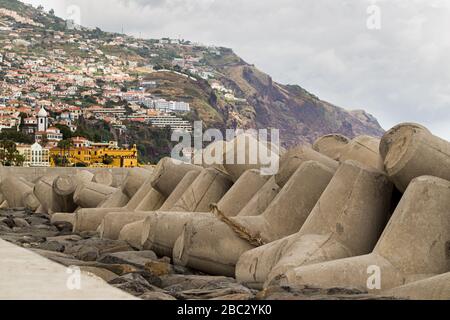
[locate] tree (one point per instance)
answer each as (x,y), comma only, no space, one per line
(9,156)
(107,160)
(52,12)
(17,136)
(65,130)
(64,146)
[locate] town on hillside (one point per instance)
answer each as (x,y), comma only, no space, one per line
(69,97)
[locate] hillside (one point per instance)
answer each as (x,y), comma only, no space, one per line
(223,90)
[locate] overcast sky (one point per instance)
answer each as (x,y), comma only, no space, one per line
(398,73)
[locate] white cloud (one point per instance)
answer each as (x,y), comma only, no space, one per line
(399,73)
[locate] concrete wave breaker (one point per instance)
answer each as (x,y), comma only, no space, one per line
(346,221)
(414,246)
(214,246)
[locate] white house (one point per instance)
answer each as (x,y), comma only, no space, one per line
(35,155)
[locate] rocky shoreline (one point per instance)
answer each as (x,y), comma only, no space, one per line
(140,273)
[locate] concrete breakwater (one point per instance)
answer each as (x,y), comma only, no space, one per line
(365,214)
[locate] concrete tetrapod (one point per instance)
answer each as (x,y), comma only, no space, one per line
(208,187)
(131,233)
(180,189)
(104,177)
(64,187)
(162,229)
(409,150)
(365,150)
(261,200)
(117,199)
(91,194)
(413,246)
(168,173)
(136,177)
(331,145)
(434,288)
(246,152)
(113,222)
(90,219)
(30,201)
(43,190)
(14,191)
(294,158)
(214,246)
(346,221)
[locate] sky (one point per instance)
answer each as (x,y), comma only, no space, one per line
(388,57)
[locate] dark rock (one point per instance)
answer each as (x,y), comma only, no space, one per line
(21,223)
(91,249)
(102,273)
(88,234)
(69,260)
(8,221)
(134,258)
(133,283)
(33,220)
(87,253)
(203,287)
(64,227)
(276,292)
(156,296)
(52,246)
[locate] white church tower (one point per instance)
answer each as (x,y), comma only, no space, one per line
(42,120)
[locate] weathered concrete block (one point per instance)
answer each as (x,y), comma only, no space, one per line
(245,153)
(113,223)
(90,219)
(131,233)
(365,150)
(135,179)
(152,201)
(180,189)
(413,246)
(209,187)
(43,190)
(104,177)
(115,200)
(249,183)
(64,187)
(63,217)
(434,288)
(14,191)
(409,150)
(30,201)
(346,221)
(293,159)
(331,145)
(161,229)
(213,246)
(168,173)
(91,194)
(261,200)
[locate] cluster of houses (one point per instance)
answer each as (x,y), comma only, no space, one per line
(51,78)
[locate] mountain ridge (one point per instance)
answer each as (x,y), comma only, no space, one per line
(256,102)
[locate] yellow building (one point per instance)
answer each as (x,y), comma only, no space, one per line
(94,157)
